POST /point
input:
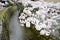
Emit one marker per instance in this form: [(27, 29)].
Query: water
[(0, 28), (16, 30)]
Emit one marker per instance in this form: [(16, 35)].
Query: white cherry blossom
[(38, 27), (42, 14), (27, 24), (42, 32), (47, 33)]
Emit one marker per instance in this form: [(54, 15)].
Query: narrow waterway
[(0, 28), (16, 30)]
